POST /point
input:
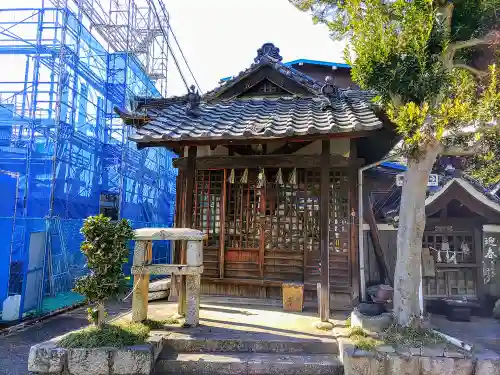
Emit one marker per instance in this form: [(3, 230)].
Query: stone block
[(161, 294), (340, 332), (89, 361), (377, 323), (378, 366), (156, 341), (46, 358), (363, 353), (433, 351), (160, 285), (385, 349), (405, 351), (487, 367), (453, 353), (193, 300), (136, 360), (397, 365), (356, 365), (202, 363), (445, 366), (346, 349), (415, 351), (172, 234), (194, 253)]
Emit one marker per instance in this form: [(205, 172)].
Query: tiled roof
[(320, 108), (303, 79), (470, 182), (167, 120)]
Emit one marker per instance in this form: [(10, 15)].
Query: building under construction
[(64, 154)]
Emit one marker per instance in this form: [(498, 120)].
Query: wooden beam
[(269, 283), (353, 227), (187, 220), (478, 249), (324, 308), (240, 140), (266, 161), (243, 150), (382, 263), (290, 147)]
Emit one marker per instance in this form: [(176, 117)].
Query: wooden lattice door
[(339, 229), (456, 267), (270, 230), (243, 240)]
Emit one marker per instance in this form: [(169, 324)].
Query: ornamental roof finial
[(193, 102), (268, 49)]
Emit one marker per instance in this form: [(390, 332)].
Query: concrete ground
[(14, 348), (229, 319), (225, 317), (483, 333)]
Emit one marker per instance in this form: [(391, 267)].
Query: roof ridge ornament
[(329, 89), (268, 49), (329, 92), (193, 100)]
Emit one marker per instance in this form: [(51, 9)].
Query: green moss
[(159, 324), (111, 335), (357, 331), (416, 337), (365, 343), (361, 339), (348, 322)]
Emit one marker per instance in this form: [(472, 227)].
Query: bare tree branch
[(476, 72), (468, 43), (492, 38), (396, 100)]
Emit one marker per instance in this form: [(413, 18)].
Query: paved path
[(14, 348), (483, 333)]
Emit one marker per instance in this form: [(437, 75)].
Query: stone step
[(249, 363), (247, 343)]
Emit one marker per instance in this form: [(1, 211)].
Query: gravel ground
[(14, 348)]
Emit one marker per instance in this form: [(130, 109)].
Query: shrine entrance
[(461, 238), (262, 228)]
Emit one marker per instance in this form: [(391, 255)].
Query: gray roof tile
[(258, 118)]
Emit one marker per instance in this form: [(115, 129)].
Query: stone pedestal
[(141, 283), (189, 301)]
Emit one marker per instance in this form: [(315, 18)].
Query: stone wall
[(49, 359), (386, 360)]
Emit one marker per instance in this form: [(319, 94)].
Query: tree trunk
[(410, 232), (101, 315)]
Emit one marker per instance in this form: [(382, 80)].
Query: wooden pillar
[(187, 221), (353, 224), (324, 298), (222, 238)]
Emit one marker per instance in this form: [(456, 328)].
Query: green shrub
[(411, 336), (111, 335), (105, 247)]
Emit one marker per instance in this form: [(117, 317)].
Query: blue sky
[(221, 37)]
